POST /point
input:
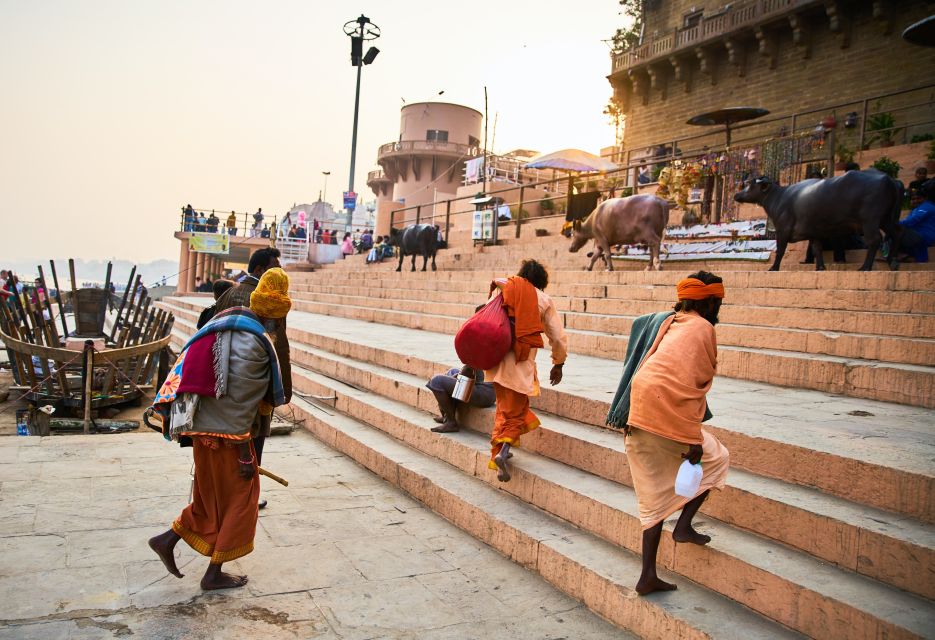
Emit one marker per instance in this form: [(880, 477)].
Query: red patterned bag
[(485, 338)]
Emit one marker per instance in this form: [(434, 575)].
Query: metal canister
[(464, 384)]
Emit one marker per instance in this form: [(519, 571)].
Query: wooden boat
[(91, 366)]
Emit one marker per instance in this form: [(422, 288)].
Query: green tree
[(628, 37)]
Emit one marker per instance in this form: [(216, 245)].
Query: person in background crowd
[(202, 222), (213, 223), (661, 403), (440, 238), (366, 241), (189, 218), (257, 223), (347, 246), (197, 283), (265, 232), (292, 231), (355, 238), (232, 224), (918, 228), (301, 233), (316, 230), (218, 289), (915, 186)]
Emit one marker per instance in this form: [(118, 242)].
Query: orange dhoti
[(513, 419), (221, 520)]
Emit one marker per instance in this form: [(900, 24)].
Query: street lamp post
[(358, 30), (326, 174)]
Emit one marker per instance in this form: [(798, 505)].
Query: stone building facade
[(810, 58)]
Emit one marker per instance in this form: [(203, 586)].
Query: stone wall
[(873, 63)]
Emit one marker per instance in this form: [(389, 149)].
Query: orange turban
[(695, 289), (271, 299)]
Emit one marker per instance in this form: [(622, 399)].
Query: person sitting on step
[(443, 385)]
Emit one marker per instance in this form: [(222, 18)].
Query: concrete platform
[(339, 554)]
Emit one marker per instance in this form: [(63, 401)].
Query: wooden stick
[(18, 305), (48, 307), (123, 302), (58, 298), (74, 282), (88, 380), (110, 266), (272, 476)]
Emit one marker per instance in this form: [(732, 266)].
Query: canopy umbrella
[(921, 33), (571, 160), (727, 117)]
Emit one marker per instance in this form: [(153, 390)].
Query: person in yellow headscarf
[(277, 286), (270, 301), (661, 403)]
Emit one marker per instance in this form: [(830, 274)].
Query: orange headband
[(695, 289)]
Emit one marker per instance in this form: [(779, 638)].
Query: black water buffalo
[(862, 202), (416, 239)]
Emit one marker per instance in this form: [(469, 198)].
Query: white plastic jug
[(688, 479)]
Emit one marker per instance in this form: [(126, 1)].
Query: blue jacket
[(922, 221)]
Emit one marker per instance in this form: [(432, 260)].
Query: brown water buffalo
[(632, 220), (863, 202)]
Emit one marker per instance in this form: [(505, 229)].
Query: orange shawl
[(667, 396), (522, 306)]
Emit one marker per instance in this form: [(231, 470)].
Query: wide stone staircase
[(825, 400)]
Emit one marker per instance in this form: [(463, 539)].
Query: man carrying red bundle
[(515, 379)]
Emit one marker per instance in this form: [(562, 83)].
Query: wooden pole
[(74, 283), (88, 380), (519, 211), (58, 298), (123, 302), (110, 266), (447, 220), (48, 307)]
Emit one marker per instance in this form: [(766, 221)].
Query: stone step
[(737, 328), (829, 528), (898, 324), (585, 567), (919, 302), (827, 280), (798, 436), (784, 585), (870, 379)]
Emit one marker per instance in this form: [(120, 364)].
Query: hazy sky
[(114, 113)]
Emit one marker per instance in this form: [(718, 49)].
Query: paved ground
[(340, 554)]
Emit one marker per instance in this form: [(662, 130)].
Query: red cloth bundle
[(485, 338)]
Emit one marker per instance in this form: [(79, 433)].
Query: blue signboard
[(350, 200)]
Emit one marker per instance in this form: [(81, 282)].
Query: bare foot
[(222, 581), (449, 426), (440, 419), (649, 585), (164, 545), (691, 536), (503, 469)]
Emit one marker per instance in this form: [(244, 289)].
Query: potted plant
[(930, 158), (844, 155), (888, 166), (884, 124)]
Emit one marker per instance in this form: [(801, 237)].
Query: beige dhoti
[(654, 463)]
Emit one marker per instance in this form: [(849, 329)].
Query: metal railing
[(425, 146), (796, 126), (734, 17), (913, 109)]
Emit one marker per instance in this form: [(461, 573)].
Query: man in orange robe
[(667, 406), (515, 379)]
